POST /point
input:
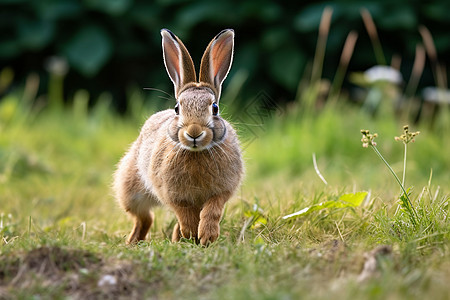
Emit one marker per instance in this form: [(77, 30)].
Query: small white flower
[(107, 280), (57, 65), (84, 271), (434, 94), (383, 73)]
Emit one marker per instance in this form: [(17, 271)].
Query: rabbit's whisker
[(170, 97)]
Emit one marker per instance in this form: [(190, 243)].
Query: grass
[(62, 234)]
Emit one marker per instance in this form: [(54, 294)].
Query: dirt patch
[(330, 251), (75, 273), (334, 256), (372, 262)]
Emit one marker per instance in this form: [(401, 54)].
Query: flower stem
[(395, 176), (404, 165)]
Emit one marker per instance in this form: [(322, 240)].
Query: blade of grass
[(319, 55), (316, 168), (373, 35), (428, 41), (347, 53), (311, 93), (416, 73)]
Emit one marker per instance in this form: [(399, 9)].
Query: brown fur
[(189, 161)]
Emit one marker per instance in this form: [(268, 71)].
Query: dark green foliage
[(89, 50), (112, 44)]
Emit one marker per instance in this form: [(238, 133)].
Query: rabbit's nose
[(194, 131)]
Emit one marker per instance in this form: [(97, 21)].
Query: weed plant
[(62, 234)]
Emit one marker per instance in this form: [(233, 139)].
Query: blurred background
[(114, 46), (307, 77)]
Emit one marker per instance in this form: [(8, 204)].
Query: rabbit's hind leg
[(133, 198), (138, 206), (143, 220)]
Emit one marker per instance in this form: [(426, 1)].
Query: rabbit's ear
[(177, 60), (216, 61)]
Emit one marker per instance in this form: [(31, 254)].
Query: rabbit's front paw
[(188, 232), (208, 232)]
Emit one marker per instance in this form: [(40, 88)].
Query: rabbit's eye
[(215, 109), (177, 109)]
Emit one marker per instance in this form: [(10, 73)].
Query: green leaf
[(112, 7), (256, 214), (10, 48), (401, 17), (285, 67), (442, 41), (12, 1), (309, 18), (145, 15), (199, 12), (89, 50), (437, 11), (353, 199), (58, 10), (274, 37), (315, 207), (35, 34), (255, 10), (346, 200)]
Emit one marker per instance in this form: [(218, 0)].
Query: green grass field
[(63, 235)]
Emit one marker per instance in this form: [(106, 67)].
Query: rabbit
[(187, 158)]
